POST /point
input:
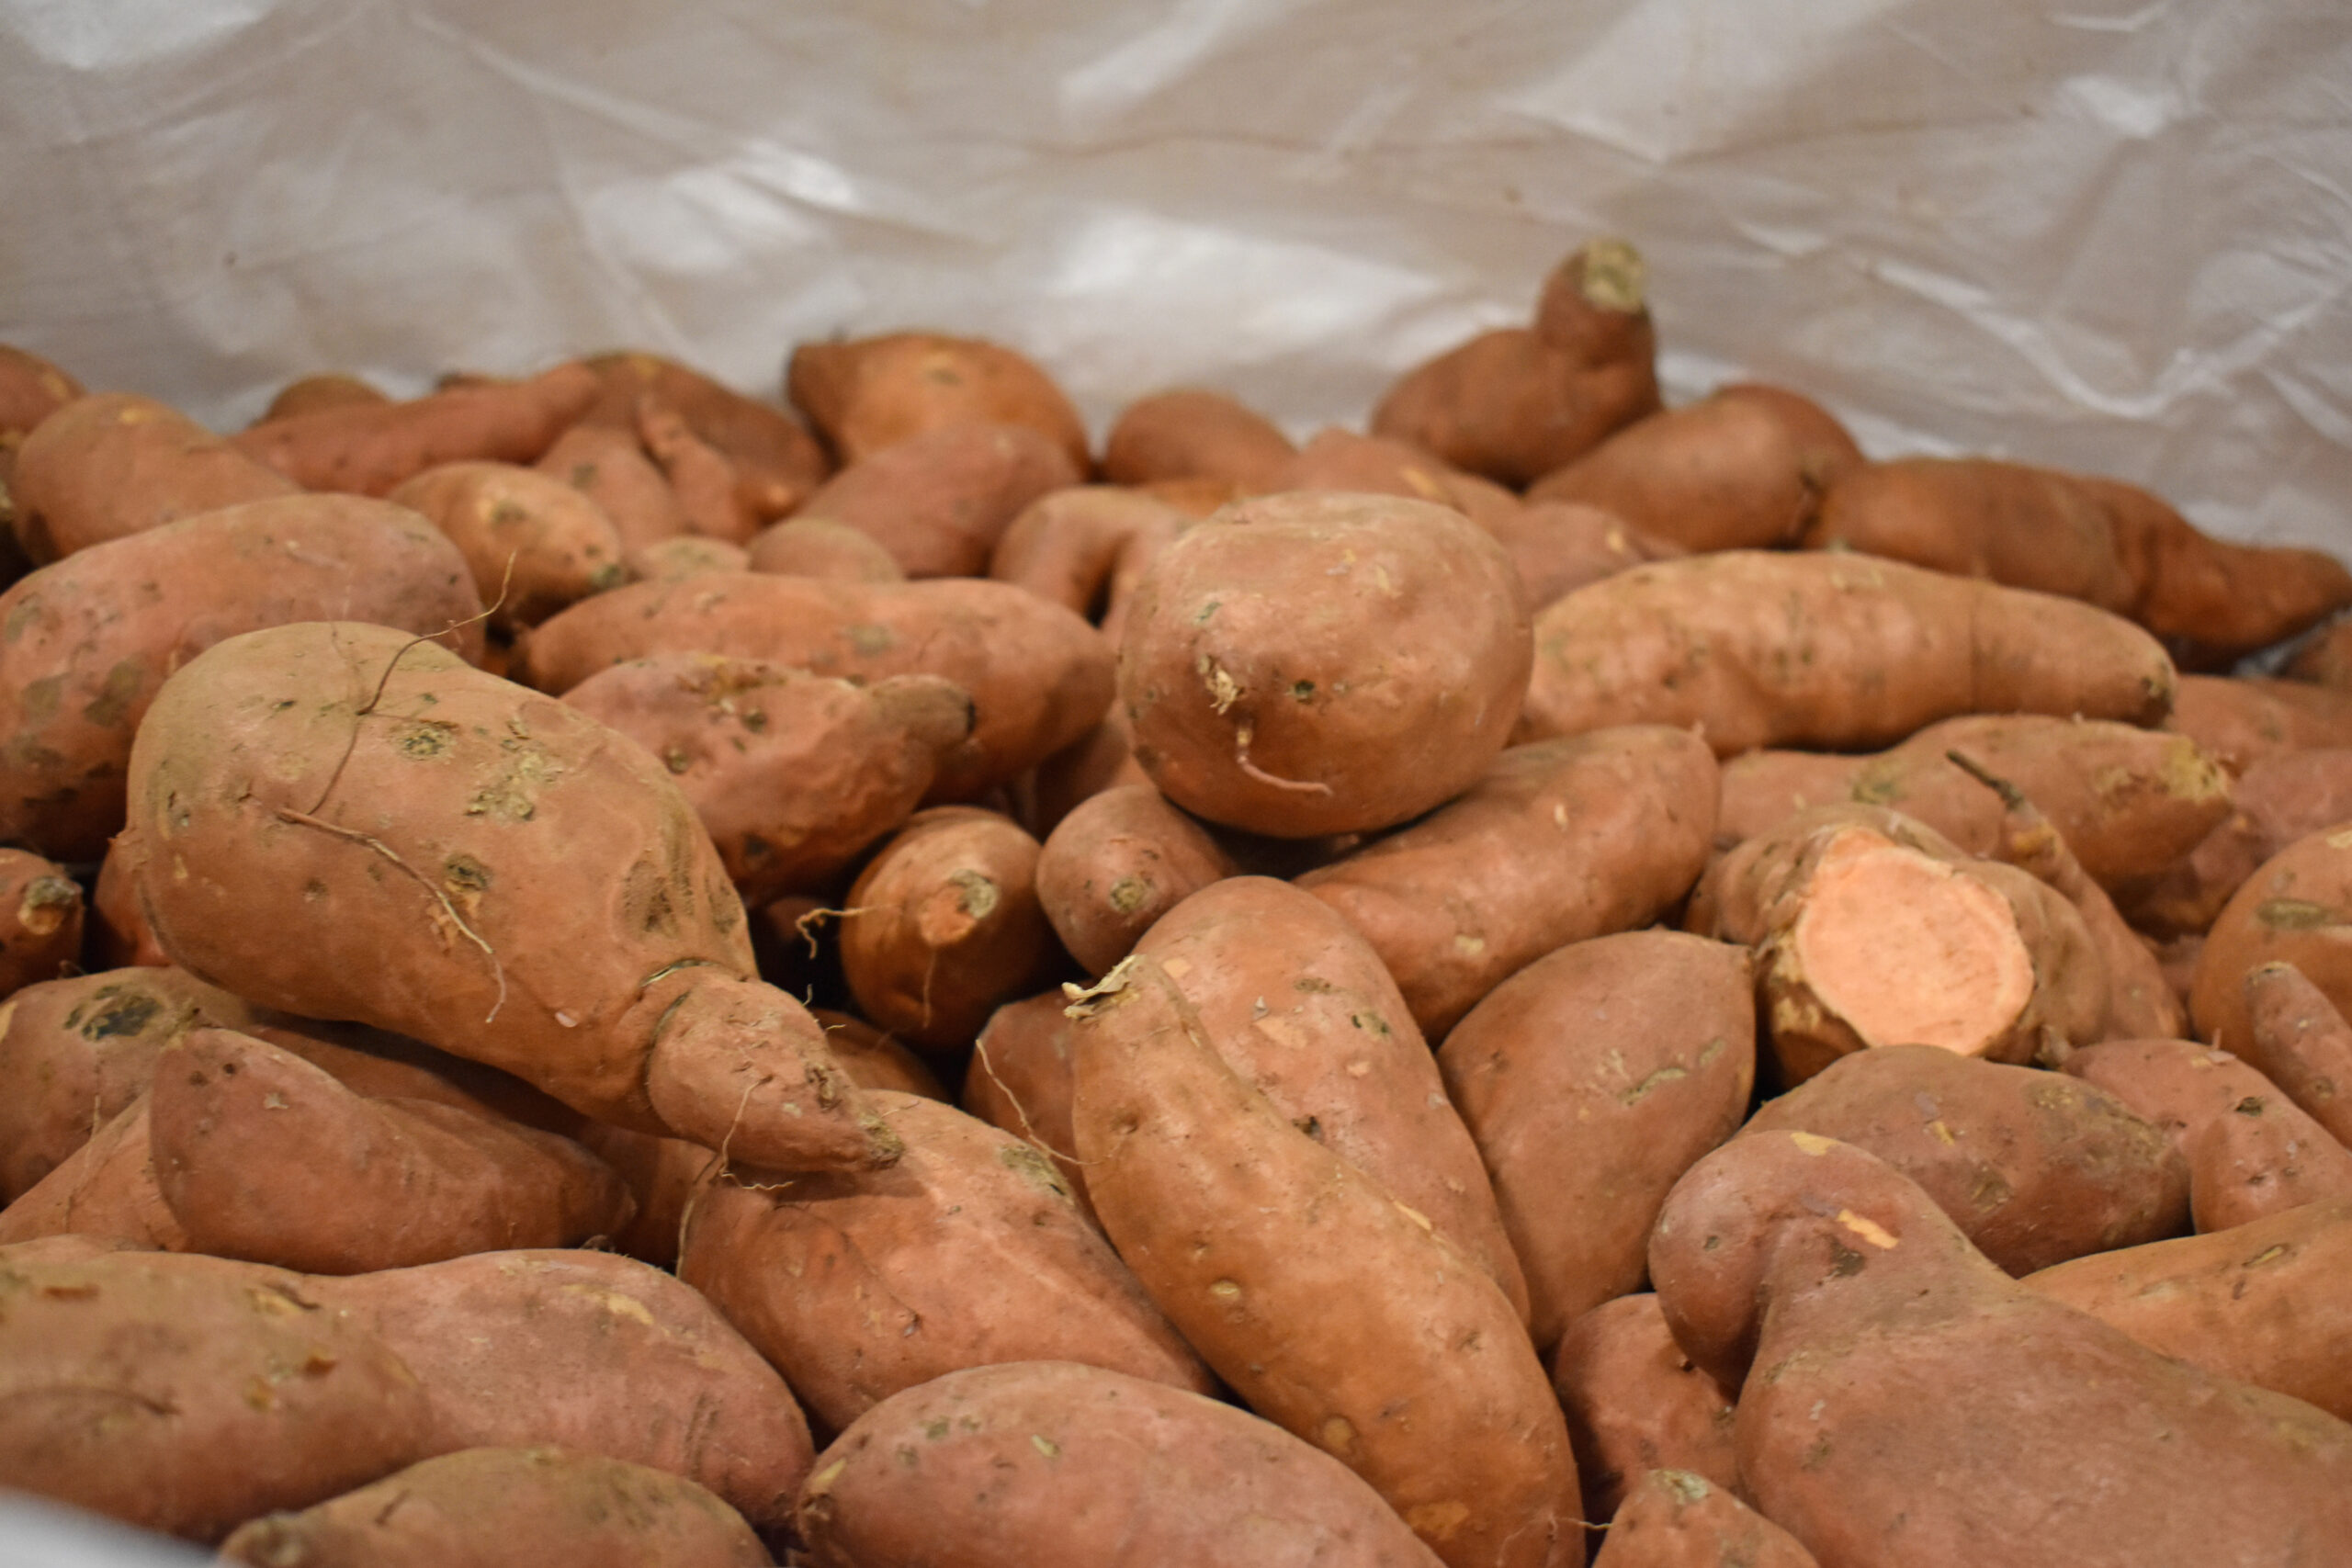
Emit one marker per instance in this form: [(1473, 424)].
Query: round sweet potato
[(870, 393), (1192, 433), (533, 543)]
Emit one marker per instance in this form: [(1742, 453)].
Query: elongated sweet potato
[(1635, 1404), (710, 494), (1511, 406), (2240, 719), (1559, 841), (1674, 1520), (481, 868), (2293, 910), (1389, 696), (368, 449), (968, 1252), (2297, 1039), (1591, 1079), (106, 1189), (605, 464), (982, 1467), (1243, 1227), (106, 466), (939, 501), (1192, 433), (792, 776), (76, 673), (1763, 649), (1039, 676), (328, 390), (1903, 1400), (1085, 548), (1019, 1081), (533, 543), (497, 1507), (777, 462), (866, 394)]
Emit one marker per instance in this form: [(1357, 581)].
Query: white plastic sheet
[(2110, 234)]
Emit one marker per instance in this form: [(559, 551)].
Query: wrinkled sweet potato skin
[(1635, 1404), (106, 466), (970, 1251), (77, 674), (1192, 433), (777, 462), (1591, 1079), (870, 393), (979, 1468), (523, 1507), (938, 502)]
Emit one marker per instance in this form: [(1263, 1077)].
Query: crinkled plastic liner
[(2113, 234)]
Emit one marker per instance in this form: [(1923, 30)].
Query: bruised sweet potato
[(1903, 1400), (519, 1507), (818, 547), (1834, 651), (985, 1468), (477, 867), (968, 1252), (533, 543), (870, 393), (106, 466), (1591, 1079), (1192, 433), (1674, 1520), (939, 501), (368, 449), (78, 673), (792, 776), (1559, 841), (1390, 695), (1243, 1227), (1635, 1404), (1039, 676)]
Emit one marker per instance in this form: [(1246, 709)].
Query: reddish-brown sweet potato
[(2238, 720), (1510, 405), (2293, 910), (1192, 433), (31, 388), (367, 449), (2298, 1038), (675, 560), (1635, 1404), (777, 462), (818, 547), (41, 921), (869, 393), (1115, 863), (330, 389), (533, 543), (1086, 548), (1042, 1464), (710, 495), (939, 501), (106, 466), (1020, 1081), (606, 465), (1674, 1520), (1557, 547), (2278, 799)]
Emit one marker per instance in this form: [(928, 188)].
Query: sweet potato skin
[(868, 394), (777, 462), (1192, 433), (1676, 1519), (2292, 910), (938, 502), (107, 466), (41, 921), (1635, 1404), (368, 449), (981, 1467), (1118, 862), (2240, 719), (1020, 1081), (1511, 406), (533, 543), (2300, 1041)]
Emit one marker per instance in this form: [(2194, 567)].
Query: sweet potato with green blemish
[(1591, 1079), (116, 464), (968, 1252), (2033, 1167), (481, 868), (1039, 676), (2278, 799), (1192, 433), (1673, 1518), (188, 1394), (368, 449), (78, 673), (938, 502), (1243, 1227), (2294, 911), (533, 543), (1558, 842), (943, 926), (1835, 652), (518, 1508), (1115, 863), (1872, 929), (777, 462), (1085, 548), (1297, 1003), (329, 389), (868, 394), (1384, 689), (605, 464), (1019, 1080), (981, 1468), (2251, 1151), (2297, 1039), (818, 547), (792, 776), (2262, 1302), (1634, 1403), (1903, 1400), (601, 1354)]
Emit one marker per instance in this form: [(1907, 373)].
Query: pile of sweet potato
[(602, 972)]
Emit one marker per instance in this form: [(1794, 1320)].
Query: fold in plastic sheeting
[(2108, 235)]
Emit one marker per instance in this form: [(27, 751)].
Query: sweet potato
[(1040, 677), (1763, 789), (1557, 547), (939, 501), (2324, 659), (1115, 863), (968, 1252), (1020, 1081), (1086, 548), (792, 776), (1635, 1404), (188, 1394), (1674, 1520), (2278, 799), (875, 1058), (330, 389), (1559, 841), (106, 466), (1337, 459), (533, 543), (1729, 472), (118, 933), (1903, 1400), (1299, 1005), (710, 496), (777, 462), (600, 1354), (31, 388), (818, 547), (605, 464), (870, 393), (2034, 1167), (677, 558), (1826, 650), (1594, 305), (78, 673), (2297, 1039), (943, 926), (2261, 1302), (1591, 1079), (41, 921), (1510, 406), (480, 868), (2251, 1150), (982, 1468), (508, 1508), (2292, 911), (2239, 720), (1384, 689), (1192, 433), (106, 1189), (1243, 1227), (367, 449)]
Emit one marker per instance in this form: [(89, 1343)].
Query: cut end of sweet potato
[(1615, 277)]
